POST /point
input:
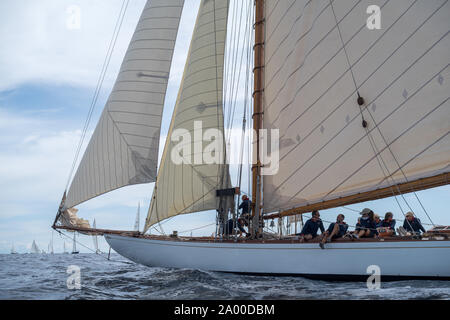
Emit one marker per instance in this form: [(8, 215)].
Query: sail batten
[(318, 60), (191, 187), (124, 147)]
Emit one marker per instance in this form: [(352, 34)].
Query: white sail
[(13, 250), (185, 188), (65, 250), (35, 248), (124, 147), (402, 72), (138, 214)]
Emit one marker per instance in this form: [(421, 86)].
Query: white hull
[(397, 259)]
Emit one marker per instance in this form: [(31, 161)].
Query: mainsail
[(185, 188), (124, 147), (319, 55)]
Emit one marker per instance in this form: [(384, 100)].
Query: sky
[(48, 75)]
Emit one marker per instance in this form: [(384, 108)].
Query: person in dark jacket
[(335, 230), (413, 224), (246, 205), (388, 224), (311, 227), (378, 221), (367, 228), (243, 220)]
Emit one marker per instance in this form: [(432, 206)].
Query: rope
[(93, 251), (186, 231), (100, 80), (370, 137)]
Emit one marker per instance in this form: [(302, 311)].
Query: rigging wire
[(100, 81), (101, 254), (371, 138)]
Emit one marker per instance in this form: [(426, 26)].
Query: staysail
[(318, 56), (124, 147), (191, 187)]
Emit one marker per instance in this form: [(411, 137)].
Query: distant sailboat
[(138, 214), (50, 247), (95, 239), (74, 249), (65, 250), (13, 251), (35, 248), (362, 115)]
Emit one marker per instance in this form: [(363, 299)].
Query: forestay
[(185, 188), (401, 71), (124, 147)]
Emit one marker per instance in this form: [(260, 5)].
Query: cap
[(365, 211)]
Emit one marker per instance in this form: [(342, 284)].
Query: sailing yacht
[(138, 218), (13, 251), (64, 248), (74, 248), (35, 248), (362, 113), (95, 239)]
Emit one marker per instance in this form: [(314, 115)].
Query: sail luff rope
[(100, 81)]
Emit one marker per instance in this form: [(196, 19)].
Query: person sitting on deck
[(367, 227), (388, 224), (413, 224), (311, 227), (378, 221), (335, 230)]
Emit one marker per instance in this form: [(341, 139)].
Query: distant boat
[(74, 249), (13, 251), (65, 250), (35, 248), (95, 239), (50, 247), (138, 214)]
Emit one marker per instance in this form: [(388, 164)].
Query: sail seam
[(394, 110)]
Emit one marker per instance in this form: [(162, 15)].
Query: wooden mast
[(411, 186), (258, 72)]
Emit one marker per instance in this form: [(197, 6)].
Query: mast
[(258, 110)]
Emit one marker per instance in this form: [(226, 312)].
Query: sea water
[(51, 276)]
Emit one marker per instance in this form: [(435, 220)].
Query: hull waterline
[(397, 260)]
